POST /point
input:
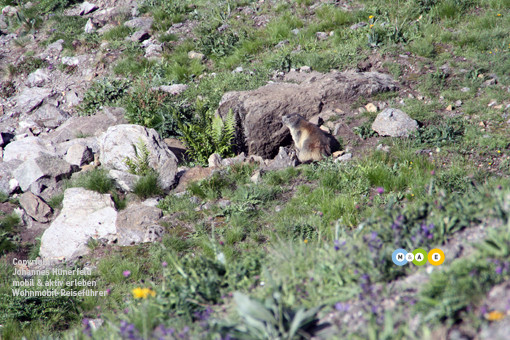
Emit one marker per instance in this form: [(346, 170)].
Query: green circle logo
[(420, 257)]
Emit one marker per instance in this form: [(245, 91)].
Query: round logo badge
[(436, 257), (420, 257), (399, 257)]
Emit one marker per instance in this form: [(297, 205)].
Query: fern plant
[(140, 164), (208, 134)]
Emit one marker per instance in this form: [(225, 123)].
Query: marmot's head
[(292, 120)]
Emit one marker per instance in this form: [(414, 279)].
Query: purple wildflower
[(499, 270), (164, 264), (126, 273), (342, 307), (87, 330), (380, 190)]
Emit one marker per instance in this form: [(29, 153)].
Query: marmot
[(311, 142)]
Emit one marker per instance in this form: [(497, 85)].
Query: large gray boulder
[(42, 172), (30, 98), (35, 207), (394, 123), (258, 112), (27, 148), (49, 116), (6, 178), (138, 224), (85, 214), (78, 127), (38, 78), (116, 144)]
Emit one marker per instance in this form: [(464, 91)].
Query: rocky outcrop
[(258, 112), (37, 174), (394, 123), (118, 142), (138, 224), (85, 214), (35, 207), (27, 148)]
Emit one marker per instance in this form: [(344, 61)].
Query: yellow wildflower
[(142, 293), (499, 151), (306, 240), (371, 26), (499, 14), (370, 17), (495, 315)]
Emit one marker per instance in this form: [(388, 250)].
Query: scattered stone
[(214, 161), (458, 103), (118, 142), (382, 147), (358, 25), (71, 98), (223, 203), (79, 155), (321, 35), (344, 158), (371, 107), (492, 103), (140, 23), (125, 181), (38, 78), (305, 69), (174, 89), (284, 159), (49, 116), (490, 82), (138, 224), (295, 31), (39, 173), (282, 43), (90, 26), (196, 55), (70, 61), (85, 214), (87, 8), (7, 185), (140, 36), (87, 126), (234, 160), (194, 174), (394, 123), (9, 11), (258, 112), (153, 51), (27, 148), (465, 89), (31, 98), (238, 69), (35, 207)]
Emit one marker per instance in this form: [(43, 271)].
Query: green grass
[(317, 234)]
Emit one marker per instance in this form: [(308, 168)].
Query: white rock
[(27, 148), (79, 155), (116, 144), (85, 214), (394, 123), (87, 8), (38, 78)]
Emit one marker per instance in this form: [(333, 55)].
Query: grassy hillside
[(312, 245)]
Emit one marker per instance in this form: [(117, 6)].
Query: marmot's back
[(311, 142)]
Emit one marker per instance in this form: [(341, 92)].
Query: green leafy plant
[(139, 165), (102, 93), (271, 319), (208, 134)]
